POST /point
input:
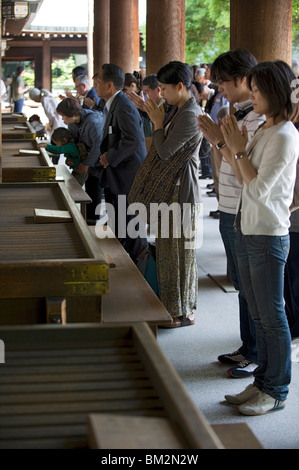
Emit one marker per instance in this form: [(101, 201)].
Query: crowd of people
[(150, 141)]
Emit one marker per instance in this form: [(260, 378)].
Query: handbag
[(146, 263), (156, 179)]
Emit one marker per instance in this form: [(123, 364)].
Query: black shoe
[(231, 358), (211, 193), (210, 186), (215, 214), (205, 177), (91, 222)]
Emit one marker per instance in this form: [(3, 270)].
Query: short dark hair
[(79, 70), (113, 73), (151, 81), (175, 72), (62, 133), (20, 69), (231, 65), (273, 79), (69, 107)]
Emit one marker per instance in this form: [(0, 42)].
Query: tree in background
[(62, 73), (208, 29), (295, 28)]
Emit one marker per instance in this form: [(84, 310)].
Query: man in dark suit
[(122, 150)]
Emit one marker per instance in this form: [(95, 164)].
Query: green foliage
[(207, 29), (295, 28), (29, 76), (62, 73), (142, 29), (295, 15)]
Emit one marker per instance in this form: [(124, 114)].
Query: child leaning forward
[(63, 141)]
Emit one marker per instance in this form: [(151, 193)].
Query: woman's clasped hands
[(155, 113), (233, 137)]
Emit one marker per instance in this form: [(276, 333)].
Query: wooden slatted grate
[(47, 391)]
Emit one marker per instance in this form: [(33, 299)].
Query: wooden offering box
[(57, 379), (13, 117), (46, 258), (28, 167), (17, 131), (14, 148)]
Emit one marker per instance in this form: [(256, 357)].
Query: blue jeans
[(205, 155), (291, 285), (261, 262), (18, 105), (247, 326)]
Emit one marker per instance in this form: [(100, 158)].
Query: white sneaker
[(250, 392), (261, 404), (243, 370)]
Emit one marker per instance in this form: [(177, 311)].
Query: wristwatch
[(240, 155), (220, 145)]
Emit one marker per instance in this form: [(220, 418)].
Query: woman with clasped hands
[(178, 139), (267, 165)]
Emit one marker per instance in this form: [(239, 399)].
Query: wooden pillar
[(90, 41), (264, 27), (38, 67), (101, 36), (1, 106), (47, 73), (165, 33), (124, 34)]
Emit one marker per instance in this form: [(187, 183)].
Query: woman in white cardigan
[(267, 167)]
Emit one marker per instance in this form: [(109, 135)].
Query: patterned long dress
[(176, 263)]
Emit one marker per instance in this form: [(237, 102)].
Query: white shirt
[(50, 104), (229, 187), (111, 99), (273, 152)]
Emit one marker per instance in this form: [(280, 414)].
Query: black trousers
[(94, 191), (133, 246)]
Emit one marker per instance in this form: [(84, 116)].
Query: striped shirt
[(229, 187)]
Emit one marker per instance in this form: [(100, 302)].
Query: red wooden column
[(165, 33), (124, 34), (101, 36), (264, 27)]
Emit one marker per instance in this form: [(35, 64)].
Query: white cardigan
[(273, 152)]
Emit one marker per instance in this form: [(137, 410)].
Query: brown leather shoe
[(187, 321), (176, 323)]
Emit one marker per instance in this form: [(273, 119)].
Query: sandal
[(187, 321)]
